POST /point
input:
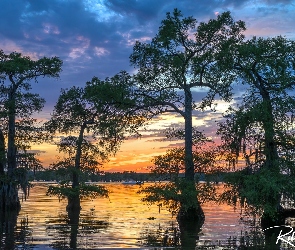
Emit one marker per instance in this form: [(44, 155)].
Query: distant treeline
[(51, 175)]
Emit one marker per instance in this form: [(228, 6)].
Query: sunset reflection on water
[(122, 221)]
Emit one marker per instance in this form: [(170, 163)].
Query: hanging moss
[(2, 153), (8, 194), (9, 187)]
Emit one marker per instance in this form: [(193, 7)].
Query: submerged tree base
[(190, 222), (74, 204), (278, 219), (9, 200)]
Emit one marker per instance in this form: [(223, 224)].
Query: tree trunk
[(189, 164), (9, 193), (78, 157), (74, 200), (9, 199), (271, 162), (270, 150), (191, 214), (73, 209), (11, 150)]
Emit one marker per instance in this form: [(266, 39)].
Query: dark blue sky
[(95, 37)]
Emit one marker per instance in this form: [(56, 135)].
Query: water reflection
[(8, 221), (184, 235), (173, 236), (73, 230), (181, 237), (123, 221), (161, 236)]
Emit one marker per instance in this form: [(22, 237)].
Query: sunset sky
[(96, 37)]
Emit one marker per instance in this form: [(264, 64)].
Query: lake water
[(122, 221)]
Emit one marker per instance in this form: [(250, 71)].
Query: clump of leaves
[(65, 190), (256, 193), (177, 194)]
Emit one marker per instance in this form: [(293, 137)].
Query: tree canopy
[(95, 120), (17, 104), (261, 128), (184, 56)]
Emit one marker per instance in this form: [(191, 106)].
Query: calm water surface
[(122, 221)]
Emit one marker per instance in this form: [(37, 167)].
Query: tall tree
[(17, 103), (262, 127), (100, 114), (182, 58), (172, 193)]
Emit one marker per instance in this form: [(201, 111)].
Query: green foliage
[(185, 55), (205, 154), (256, 193), (103, 109), (64, 190), (17, 105), (102, 113), (23, 68), (177, 192), (261, 129), (171, 195), (116, 99), (92, 156)]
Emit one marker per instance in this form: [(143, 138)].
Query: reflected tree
[(73, 215), (161, 236), (70, 230), (23, 233), (8, 221)]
